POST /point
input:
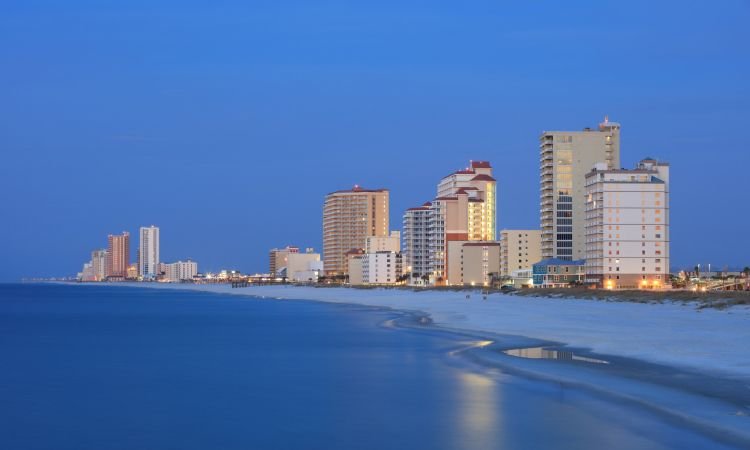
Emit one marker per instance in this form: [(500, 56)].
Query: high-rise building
[(148, 252), (349, 217), (566, 157), (519, 250), (416, 244), (627, 226), (381, 267), (99, 264), (118, 255), (278, 257), (464, 210)]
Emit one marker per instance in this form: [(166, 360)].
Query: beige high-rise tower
[(118, 255), (349, 217), (565, 159)]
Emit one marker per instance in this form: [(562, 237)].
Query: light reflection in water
[(479, 412), (543, 353)]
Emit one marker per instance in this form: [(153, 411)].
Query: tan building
[(132, 273), (627, 224), (565, 159), (355, 269), (303, 266), (519, 250), (349, 217), (277, 259), (390, 243), (472, 263), (118, 255)]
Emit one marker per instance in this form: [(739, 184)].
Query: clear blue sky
[(227, 124)]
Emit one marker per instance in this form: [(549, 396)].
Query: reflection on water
[(479, 412), (543, 353)]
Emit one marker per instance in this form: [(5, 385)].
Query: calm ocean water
[(97, 367)]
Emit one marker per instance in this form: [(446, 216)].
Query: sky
[(227, 123)]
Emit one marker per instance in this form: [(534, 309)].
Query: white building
[(148, 252), (390, 243), (565, 158), (181, 271), (302, 267), (627, 226), (99, 264), (381, 268)]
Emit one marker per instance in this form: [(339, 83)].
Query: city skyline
[(381, 107)]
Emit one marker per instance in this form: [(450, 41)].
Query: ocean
[(98, 367)]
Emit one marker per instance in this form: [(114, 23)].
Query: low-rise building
[(303, 267), (382, 267), (277, 258), (473, 263), (180, 271), (391, 243), (557, 273), (519, 250)]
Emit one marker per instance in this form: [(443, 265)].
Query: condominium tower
[(118, 255), (349, 217), (627, 226), (464, 210), (565, 158), (99, 264), (148, 252)]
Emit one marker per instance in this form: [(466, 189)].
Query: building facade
[(99, 264), (277, 259), (118, 256), (349, 217), (473, 263), (391, 243), (382, 267), (565, 158), (519, 250), (304, 266), (148, 252), (416, 244), (627, 226), (180, 271)]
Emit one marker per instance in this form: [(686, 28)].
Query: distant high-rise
[(416, 244), (118, 255), (519, 250), (148, 252), (349, 217), (566, 158), (99, 264)]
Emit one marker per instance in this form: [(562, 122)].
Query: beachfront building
[(558, 273), (118, 256), (148, 252), (277, 259), (627, 226), (565, 158), (463, 210), (349, 217), (391, 243), (354, 258), (473, 263), (180, 271), (416, 251), (303, 267), (381, 268), (519, 250), (99, 264)]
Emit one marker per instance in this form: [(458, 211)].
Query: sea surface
[(98, 367)]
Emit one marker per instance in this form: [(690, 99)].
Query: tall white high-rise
[(627, 226), (565, 159), (148, 252)]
